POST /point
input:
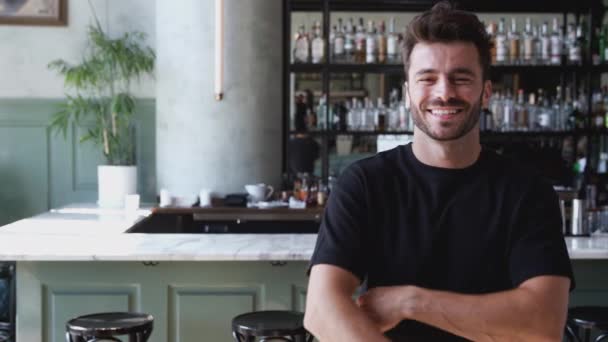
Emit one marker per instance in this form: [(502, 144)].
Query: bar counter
[(78, 260), (84, 232)]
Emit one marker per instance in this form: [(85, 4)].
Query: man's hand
[(387, 306)]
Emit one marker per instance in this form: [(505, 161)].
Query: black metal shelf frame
[(594, 9)]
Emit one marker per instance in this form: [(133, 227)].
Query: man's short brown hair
[(445, 24)]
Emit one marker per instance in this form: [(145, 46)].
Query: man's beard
[(456, 133)]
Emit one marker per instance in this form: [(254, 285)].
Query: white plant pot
[(114, 182)]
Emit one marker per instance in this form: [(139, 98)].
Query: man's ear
[(487, 93)]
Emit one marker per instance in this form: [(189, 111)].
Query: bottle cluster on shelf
[(357, 114), (535, 45), (541, 112), (349, 43)]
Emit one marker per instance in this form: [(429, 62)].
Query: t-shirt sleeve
[(537, 244), (340, 237)]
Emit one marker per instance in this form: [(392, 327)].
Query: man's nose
[(444, 89)]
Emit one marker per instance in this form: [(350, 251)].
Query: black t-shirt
[(392, 220)]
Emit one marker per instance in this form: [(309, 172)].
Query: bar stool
[(277, 325), (588, 318), (108, 325)]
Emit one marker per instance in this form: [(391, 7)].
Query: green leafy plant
[(100, 86)]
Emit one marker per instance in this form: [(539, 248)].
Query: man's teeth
[(443, 111)]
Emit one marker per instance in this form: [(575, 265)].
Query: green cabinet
[(190, 301)]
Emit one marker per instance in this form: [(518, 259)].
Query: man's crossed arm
[(534, 311)]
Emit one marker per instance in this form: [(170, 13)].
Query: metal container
[(578, 226), (562, 209)]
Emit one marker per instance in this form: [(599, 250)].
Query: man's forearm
[(505, 316), (337, 318)]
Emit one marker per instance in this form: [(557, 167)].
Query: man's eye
[(425, 80), (462, 81)]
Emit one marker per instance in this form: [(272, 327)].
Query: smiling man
[(451, 241)]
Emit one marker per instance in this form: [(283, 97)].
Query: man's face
[(446, 89)]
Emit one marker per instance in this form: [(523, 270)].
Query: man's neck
[(454, 154)]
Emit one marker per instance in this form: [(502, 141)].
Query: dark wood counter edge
[(234, 210)]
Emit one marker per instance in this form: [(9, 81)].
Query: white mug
[(259, 192), (204, 197)]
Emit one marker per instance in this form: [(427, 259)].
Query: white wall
[(25, 51)]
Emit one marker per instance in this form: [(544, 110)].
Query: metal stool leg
[(569, 334)]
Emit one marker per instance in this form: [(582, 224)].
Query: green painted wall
[(40, 170), (191, 301)]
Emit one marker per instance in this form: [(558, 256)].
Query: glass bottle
[(339, 43), (514, 43), (392, 42), (381, 43), (371, 47), (318, 45), (322, 112), (349, 41), (556, 43), (521, 111), (360, 42), (502, 49), (528, 42), (545, 43), (301, 50), (532, 113)]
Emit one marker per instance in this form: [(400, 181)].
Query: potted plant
[(98, 95)]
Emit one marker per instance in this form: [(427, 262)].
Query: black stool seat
[(278, 324), (587, 318), (110, 324)]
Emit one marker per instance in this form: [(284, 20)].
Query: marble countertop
[(84, 232)]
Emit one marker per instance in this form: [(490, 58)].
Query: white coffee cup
[(259, 192), (131, 203), (204, 197), (165, 198)]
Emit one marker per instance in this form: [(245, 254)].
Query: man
[(453, 241)]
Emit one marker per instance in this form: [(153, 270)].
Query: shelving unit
[(592, 9)]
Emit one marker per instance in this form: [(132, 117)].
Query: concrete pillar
[(224, 145)]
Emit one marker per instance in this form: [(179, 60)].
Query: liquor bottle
[(507, 113), (559, 121), (496, 107), (521, 112), (332, 41), (514, 43), (556, 43), (528, 42), (392, 42), (579, 45), (393, 111), (502, 49), (349, 41), (491, 31), (597, 109), (545, 43), (571, 123), (322, 113), (544, 112), (369, 115), (567, 108), (360, 42), (537, 46), (318, 45), (301, 51), (339, 43), (532, 113), (380, 119), (603, 44), (381, 43), (371, 48), (574, 49)]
